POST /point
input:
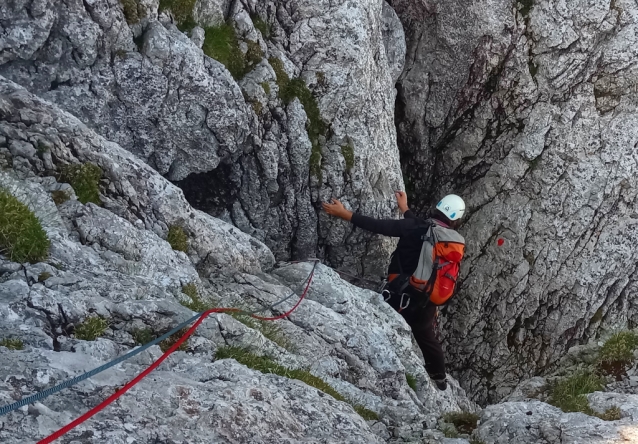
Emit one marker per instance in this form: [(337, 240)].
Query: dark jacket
[(409, 231)]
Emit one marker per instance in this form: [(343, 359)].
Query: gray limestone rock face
[(529, 111), (200, 402), (240, 148), (535, 422), (112, 261)]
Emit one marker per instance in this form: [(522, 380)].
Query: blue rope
[(55, 389), (50, 391)]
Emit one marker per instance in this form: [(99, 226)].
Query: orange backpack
[(438, 269), (439, 263)]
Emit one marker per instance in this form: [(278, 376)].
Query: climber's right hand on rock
[(336, 208), (402, 200)]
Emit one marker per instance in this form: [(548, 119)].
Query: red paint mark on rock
[(500, 242)]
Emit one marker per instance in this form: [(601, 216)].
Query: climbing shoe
[(441, 384)]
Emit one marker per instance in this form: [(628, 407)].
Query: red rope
[(156, 364)]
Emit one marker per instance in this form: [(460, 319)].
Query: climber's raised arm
[(386, 227)]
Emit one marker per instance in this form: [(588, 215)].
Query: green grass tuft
[(221, 43), (171, 340), (321, 78), (196, 303), (266, 87), (267, 365), (411, 381), (316, 127), (91, 328), (132, 12), (618, 351), (178, 238), (22, 238), (465, 422), (142, 336), (262, 25), (182, 11), (270, 329), (59, 197), (44, 276), (85, 180), (611, 414), (569, 393), (348, 155), (366, 414), (12, 344)]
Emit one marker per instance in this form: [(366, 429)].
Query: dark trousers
[(422, 320)]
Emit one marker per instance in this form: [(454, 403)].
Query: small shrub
[(91, 328), (59, 197), (12, 344), (266, 87), (182, 11), (261, 25), (44, 276), (411, 381), (142, 336), (178, 238), (221, 44), (464, 422), (449, 431), (618, 352), (316, 127), (611, 414), (171, 340), (22, 238), (568, 394), (348, 155), (85, 180)]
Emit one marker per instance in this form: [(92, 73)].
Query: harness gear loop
[(401, 306)]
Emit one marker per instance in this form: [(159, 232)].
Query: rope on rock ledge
[(199, 318)]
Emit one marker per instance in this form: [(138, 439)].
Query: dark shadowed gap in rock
[(212, 192), (416, 163)]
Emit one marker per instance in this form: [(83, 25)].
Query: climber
[(423, 268)]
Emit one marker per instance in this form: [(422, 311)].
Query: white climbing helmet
[(452, 206)]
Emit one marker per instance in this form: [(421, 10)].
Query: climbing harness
[(199, 318)]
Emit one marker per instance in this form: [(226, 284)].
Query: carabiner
[(401, 306), (382, 286), (386, 295)]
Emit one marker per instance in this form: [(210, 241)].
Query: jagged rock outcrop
[(112, 261), (529, 110), (148, 87), (534, 422)]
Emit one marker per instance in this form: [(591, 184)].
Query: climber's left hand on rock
[(336, 208)]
